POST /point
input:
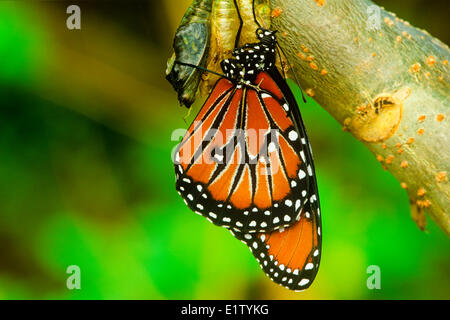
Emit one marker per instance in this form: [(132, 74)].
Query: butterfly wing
[(242, 163), (291, 256)]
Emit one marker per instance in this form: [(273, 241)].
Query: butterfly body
[(251, 58)]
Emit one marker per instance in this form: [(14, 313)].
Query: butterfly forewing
[(240, 163)]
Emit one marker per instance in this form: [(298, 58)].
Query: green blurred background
[(86, 176)]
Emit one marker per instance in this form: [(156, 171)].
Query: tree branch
[(385, 81)]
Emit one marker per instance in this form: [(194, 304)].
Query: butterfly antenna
[(200, 68), (254, 15), (238, 35), (279, 48), (281, 61)]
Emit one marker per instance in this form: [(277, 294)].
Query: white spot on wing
[(301, 174), (302, 154), (213, 215), (303, 282), (293, 136), (297, 204)]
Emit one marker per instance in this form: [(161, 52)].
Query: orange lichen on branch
[(421, 192), (431, 61), (310, 92), (421, 118), (324, 72), (404, 164), (441, 176), (423, 203), (415, 67), (313, 66), (389, 22), (301, 56), (277, 12), (389, 159), (320, 3), (404, 185), (410, 140), (439, 117), (420, 131)]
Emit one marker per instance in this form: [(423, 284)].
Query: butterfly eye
[(260, 33)]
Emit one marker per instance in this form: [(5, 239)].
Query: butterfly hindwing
[(291, 255)]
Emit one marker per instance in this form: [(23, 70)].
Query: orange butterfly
[(246, 164)]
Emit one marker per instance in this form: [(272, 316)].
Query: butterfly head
[(266, 37)]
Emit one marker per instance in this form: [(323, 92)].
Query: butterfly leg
[(238, 35)]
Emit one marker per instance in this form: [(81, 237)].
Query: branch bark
[(385, 81)]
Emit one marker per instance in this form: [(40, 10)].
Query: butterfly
[(246, 164)]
